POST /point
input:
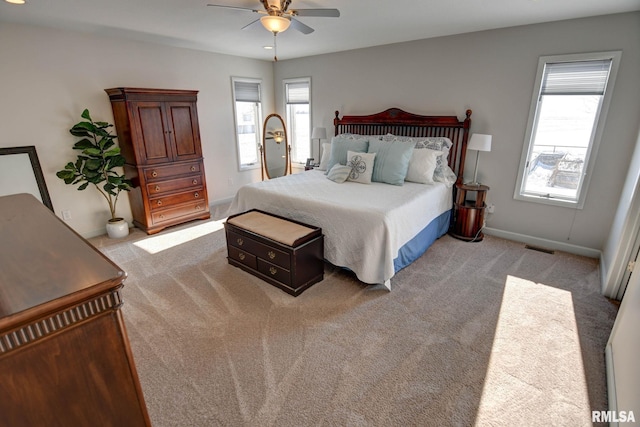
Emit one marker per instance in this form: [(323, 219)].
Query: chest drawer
[(177, 184), (170, 171), (175, 199), (273, 255), (243, 257), (274, 271), (183, 210)]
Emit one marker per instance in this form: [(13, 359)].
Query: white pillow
[(361, 165), (326, 155), (422, 165), (339, 173)]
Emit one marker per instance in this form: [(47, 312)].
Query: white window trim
[(258, 164), (284, 98), (595, 144)]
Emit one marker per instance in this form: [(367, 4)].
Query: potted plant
[(96, 165)]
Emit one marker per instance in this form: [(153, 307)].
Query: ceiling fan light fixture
[(16, 1), (275, 24)]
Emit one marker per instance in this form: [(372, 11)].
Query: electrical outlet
[(66, 215), (491, 208)]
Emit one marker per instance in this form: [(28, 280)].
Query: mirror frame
[(36, 169), (287, 147)]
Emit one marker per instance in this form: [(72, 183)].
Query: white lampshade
[(275, 24), (319, 133), (480, 142)]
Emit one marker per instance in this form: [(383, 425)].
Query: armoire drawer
[(187, 209), (178, 184), (175, 199), (169, 171)]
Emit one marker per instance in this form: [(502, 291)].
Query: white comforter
[(364, 224)]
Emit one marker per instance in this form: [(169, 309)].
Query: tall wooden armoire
[(159, 136)]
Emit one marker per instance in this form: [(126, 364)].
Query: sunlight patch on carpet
[(161, 242), (535, 358)]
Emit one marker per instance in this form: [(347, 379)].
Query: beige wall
[(50, 76), (493, 72)]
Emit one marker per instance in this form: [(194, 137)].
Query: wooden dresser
[(65, 358), (285, 253), (159, 136)]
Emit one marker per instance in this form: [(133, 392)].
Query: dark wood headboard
[(398, 122)]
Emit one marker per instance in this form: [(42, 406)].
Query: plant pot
[(117, 228)]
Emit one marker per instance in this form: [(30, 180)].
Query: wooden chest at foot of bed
[(285, 253)]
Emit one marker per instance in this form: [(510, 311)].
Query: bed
[(373, 229)]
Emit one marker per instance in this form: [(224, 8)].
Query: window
[(248, 117), (297, 93), (566, 119)]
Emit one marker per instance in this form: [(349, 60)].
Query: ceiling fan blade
[(304, 29), (328, 13), (250, 24), (246, 9)]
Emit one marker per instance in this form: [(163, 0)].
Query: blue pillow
[(340, 146), (339, 173), (392, 160)]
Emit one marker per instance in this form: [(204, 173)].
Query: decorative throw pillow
[(422, 166), (339, 173), (392, 160), (340, 146), (361, 165), (326, 155)]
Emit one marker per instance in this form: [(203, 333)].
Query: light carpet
[(488, 334)]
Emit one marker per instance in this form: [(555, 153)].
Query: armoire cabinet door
[(153, 139), (182, 121)]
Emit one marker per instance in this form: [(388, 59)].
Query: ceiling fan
[(278, 17)]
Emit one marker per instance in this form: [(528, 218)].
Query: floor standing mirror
[(275, 148), (20, 172)]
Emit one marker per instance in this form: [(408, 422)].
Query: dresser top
[(45, 265)]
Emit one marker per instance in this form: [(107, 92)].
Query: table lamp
[(478, 142), (319, 134)]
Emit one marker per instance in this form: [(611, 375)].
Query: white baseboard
[(544, 243)]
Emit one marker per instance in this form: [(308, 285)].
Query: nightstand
[(468, 215)]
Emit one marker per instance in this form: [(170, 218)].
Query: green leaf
[(85, 114), (65, 174), (93, 164), (84, 127), (92, 151), (83, 144), (83, 186), (116, 161)]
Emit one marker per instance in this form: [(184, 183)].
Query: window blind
[(247, 91), (576, 78), (297, 93)]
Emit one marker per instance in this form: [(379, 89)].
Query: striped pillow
[(339, 173)]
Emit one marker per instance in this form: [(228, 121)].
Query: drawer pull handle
[(240, 241), (198, 207), (154, 174), (161, 216), (273, 270), (271, 254), (159, 202), (196, 195), (241, 256), (194, 182), (157, 188), (193, 168)]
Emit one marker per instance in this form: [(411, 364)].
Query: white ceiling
[(363, 23)]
